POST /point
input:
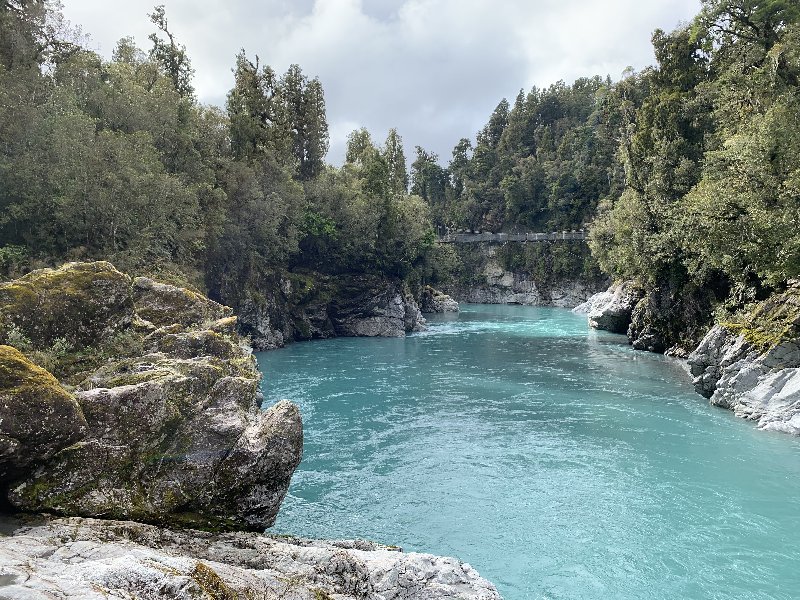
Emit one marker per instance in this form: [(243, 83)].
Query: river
[(556, 460)]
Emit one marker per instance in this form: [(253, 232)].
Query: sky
[(433, 69)]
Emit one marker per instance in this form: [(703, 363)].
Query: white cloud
[(434, 69)]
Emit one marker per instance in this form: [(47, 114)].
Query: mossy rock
[(162, 304), (82, 303), (39, 417), (772, 322)]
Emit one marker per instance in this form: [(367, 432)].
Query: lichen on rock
[(83, 303), (433, 301)]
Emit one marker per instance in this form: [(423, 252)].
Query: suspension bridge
[(501, 238)]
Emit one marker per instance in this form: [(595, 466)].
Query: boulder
[(595, 301), (86, 558), (82, 303), (433, 301), (37, 416), (172, 433), (162, 304), (614, 313)]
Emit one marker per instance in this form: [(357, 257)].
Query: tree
[(396, 163), (170, 55), (304, 110)]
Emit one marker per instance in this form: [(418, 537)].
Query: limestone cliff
[(752, 365), (492, 283), (295, 306)]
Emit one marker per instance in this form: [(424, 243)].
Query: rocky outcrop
[(484, 280), (753, 367), (82, 303), (612, 311), (162, 304), (595, 302), (173, 430), (433, 301), (37, 416), (85, 558), (307, 305)]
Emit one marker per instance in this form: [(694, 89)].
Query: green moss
[(211, 583), (773, 321), (320, 594)]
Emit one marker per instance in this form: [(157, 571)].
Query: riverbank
[(749, 364)]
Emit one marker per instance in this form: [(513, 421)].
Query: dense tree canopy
[(689, 172)]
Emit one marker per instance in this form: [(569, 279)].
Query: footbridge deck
[(500, 238)]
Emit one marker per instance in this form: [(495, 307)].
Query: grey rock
[(369, 306), (85, 558), (760, 386), (175, 434), (38, 418), (614, 313), (309, 305), (433, 301), (163, 304), (595, 301), (508, 287)]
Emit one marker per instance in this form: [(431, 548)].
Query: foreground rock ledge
[(87, 558)]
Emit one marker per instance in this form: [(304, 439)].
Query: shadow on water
[(556, 460)]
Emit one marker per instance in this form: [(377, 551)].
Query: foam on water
[(556, 460)]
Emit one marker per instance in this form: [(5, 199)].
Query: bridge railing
[(473, 238)]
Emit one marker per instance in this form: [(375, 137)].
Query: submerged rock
[(37, 416), (86, 558), (433, 301), (753, 368), (612, 311), (173, 433)]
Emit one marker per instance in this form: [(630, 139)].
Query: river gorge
[(555, 459)]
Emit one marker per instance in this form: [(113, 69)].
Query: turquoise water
[(555, 460)]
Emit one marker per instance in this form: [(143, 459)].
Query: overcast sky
[(434, 69)]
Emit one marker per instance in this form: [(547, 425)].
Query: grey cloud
[(434, 69)]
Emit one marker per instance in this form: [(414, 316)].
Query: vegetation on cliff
[(687, 171)]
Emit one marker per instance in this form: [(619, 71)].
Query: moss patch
[(772, 322), (211, 583)]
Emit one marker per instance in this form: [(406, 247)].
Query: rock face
[(612, 311), (305, 306), (84, 558), (754, 368), (499, 286), (173, 432), (37, 416), (433, 301), (595, 302)]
